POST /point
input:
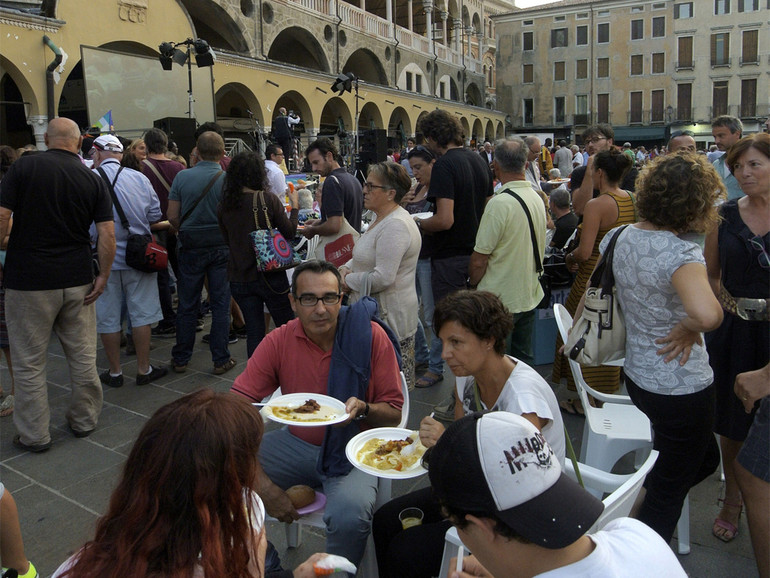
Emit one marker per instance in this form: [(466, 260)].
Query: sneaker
[(164, 330), (239, 331), (111, 380), (199, 326), (232, 338), (155, 373), (224, 368), (178, 367), (80, 433), (30, 448)]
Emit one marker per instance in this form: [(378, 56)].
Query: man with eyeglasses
[(533, 167), (276, 180), (598, 138), (326, 350)]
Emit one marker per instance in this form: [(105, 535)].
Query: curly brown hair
[(679, 191), (442, 127), (480, 312)]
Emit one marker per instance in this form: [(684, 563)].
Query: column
[(39, 124), (468, 34), (427, 5), (410, 11), (443, 16), (363, 5), (389, 10), (457, 28)]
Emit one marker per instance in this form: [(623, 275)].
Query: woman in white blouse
[(385, 257)]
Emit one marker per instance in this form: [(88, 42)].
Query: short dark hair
[(442, 127), (480, 312), (317, 267), (614, 163), (156, 141), (604, 130), (272, 149), (457, 517), (576, 177), (759, 141), (732, 123), (323, 145), (395, 176), (422, 152), (209, 126)]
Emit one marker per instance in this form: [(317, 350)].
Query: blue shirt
[(733, 188)]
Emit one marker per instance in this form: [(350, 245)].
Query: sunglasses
[(758, 243)]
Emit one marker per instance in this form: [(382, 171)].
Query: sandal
[(724, 530), (572, 406), (428, 380), (6, 408), (225, 367)]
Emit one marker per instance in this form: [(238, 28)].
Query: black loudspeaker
[(181, 131), (373, 145)]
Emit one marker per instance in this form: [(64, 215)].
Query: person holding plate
[(473, 326), (342, 352)]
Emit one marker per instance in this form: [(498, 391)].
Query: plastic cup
[(410, 517)]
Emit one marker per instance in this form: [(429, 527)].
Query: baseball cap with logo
[(108, 142), (499, 463)]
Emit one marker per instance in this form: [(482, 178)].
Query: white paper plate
[(385, 433), (422, 215), (332, 410)]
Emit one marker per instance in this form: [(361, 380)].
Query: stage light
[(204, 56)]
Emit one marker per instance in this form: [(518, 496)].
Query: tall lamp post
[(204, 56)]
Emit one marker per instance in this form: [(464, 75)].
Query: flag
[(104, 124)]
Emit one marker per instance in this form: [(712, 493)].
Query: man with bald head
[(50, 282), (681, 140), (202, 252)]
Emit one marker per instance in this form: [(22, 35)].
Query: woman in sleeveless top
[(613, 207)]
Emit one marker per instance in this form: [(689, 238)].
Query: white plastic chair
[(599, 453), (623, 489), (368, 566)]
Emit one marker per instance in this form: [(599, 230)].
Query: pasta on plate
[(398, 455)]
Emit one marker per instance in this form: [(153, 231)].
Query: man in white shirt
[(533, 169), (276, 180), (501, 486)]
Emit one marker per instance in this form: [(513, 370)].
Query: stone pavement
[(61, 493)]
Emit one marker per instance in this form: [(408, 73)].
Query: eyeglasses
[(758, 243), (368, 185), (310, 300), (595, 139)]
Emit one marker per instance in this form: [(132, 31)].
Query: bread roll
[(301, 496)]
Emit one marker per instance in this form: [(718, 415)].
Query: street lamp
[(204, 56), (342, 84)]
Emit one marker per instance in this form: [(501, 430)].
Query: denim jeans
[(271, 289), (425, 294), (519, 342), (194, 265)]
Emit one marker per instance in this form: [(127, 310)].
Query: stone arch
[(414, 69), (334, 112), (27, 92), (218, 23), (399, 116), (234, 100), (293, 100), (500, 131), (131, 47), (453, 7), (466, 16), (476, 23), (17, 104), (473, 95), (489, 132), (370, 116), (367, 66), (477, 131), (466, 128), (298, 47)]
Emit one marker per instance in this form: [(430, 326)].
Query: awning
[(639, 133)]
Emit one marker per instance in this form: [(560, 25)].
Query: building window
[(748, 98), (721, 7), (581, 69), (684, 102), (581, 35), (558, 110), (659, 6), (603, 13), (418, 83), (656, 106), (409, 81), (658, 26), (749, 53), (685, 52), (683, 10), (528, 41), (637, 29), (720, 49), (635, 109), (581, 109), (559, 71), (558, 38), (561, 18), (637, 65), (529, 108), (748, 5), (603, 67), (442, 90), (528, 74), (659, 63), (603, 33), (603, 108), (636, 9), (581, 16), (719, 99)]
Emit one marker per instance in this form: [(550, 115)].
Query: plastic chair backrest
[(405, 407)]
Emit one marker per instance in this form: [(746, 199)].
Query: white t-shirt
[(625, 548), (276, 180), (524, 392), (257, 523)]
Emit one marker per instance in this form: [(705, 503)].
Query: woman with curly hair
[(613, 207), (473, 327), (739, 272), (252, 289), (664, 292), (185, 505)]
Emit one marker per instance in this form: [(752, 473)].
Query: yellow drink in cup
[(410, 517)]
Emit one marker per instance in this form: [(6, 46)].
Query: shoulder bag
[(337, 249), (142, 252), (545, 280), (598, 336), (272, 251)]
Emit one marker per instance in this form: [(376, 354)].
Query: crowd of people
[(443, 269)]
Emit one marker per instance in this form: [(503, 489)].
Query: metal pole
[(356, 154), (190, 100)]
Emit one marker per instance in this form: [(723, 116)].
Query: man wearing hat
[(501, 486)]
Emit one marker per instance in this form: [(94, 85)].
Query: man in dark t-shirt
[(342, 195), (49, 279), (564, 220), (460, 185)]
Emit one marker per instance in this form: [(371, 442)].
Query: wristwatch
[(363, 415)]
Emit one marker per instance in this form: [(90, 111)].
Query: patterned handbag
[(272, 251)]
